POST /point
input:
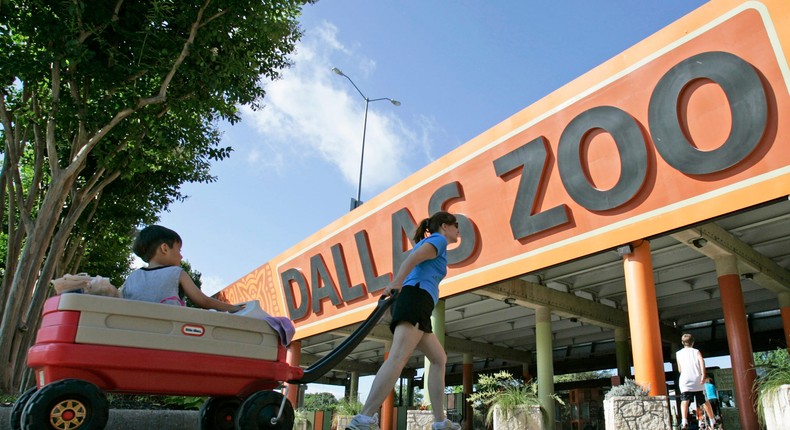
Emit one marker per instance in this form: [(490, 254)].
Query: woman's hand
[(392, 287)]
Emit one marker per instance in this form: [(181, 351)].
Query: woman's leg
[(434, 351), (404, 340), (709, 411)]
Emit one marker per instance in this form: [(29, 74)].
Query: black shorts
[(697, 396), (415, 306)]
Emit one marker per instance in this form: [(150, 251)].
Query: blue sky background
[(458, 68)]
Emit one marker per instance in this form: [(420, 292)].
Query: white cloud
[(211, 284), (311, 111)]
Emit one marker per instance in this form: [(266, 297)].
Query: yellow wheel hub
[(67, 415)]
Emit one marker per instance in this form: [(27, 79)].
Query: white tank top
[(691, 373), (158, 285)]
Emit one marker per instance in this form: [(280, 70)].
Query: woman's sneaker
[(446, 424), (364, 422)]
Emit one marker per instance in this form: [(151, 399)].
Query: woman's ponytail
[(433, 224), (422, 228)]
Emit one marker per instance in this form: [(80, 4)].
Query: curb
[(137, 419)]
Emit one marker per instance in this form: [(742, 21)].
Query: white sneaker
[(364, 422), (445, 425)]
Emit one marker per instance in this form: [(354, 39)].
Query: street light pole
[(358, 201)]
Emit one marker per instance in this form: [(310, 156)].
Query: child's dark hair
[(432, 224), (149, 238)]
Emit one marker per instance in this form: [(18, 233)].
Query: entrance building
[(645, 199)]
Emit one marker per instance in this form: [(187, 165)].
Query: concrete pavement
[(136, 419)]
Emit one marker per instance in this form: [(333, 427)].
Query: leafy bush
[(629, 388), (503, 390), (346, 407), (7, 399), (319, 402), (300, 415), (773, 371), (154, 402)]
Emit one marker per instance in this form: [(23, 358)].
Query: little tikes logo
[(193, 330)]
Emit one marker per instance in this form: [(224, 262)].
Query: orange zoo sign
[(687, 125)]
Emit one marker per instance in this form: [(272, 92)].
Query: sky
[(457, 67)]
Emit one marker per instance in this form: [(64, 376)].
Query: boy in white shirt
[(692, 380)]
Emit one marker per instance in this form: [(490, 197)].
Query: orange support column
[(738, 339), (784, 305), (640, 290), (388, 407), (468, 382), (292, 357)]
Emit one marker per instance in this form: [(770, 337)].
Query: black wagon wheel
[(217, 413), (69, 404), (260, 411), (19, 405)]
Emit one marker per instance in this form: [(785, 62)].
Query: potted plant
[(772, 387), (510, 402), (630, 406), (301, 421), (344, 411)]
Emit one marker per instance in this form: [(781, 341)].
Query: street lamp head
[(355, 202)]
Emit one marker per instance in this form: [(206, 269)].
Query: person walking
[(692, 377), (417, 281), (713, 397)]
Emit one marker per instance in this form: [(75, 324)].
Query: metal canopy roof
[(588, 299)]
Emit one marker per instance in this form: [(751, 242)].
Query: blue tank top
[(430, 272), (710, 391)]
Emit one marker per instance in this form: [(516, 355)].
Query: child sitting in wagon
[(163, 279)]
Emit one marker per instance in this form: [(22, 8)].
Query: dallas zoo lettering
[(749, 109)]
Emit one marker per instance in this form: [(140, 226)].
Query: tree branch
[(52, 150), (116, 11), (162, 95), (213, 17)]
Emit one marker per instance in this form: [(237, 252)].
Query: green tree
[(195, 275), (108, 107), (319, 402), (582, 376), (777, 358)]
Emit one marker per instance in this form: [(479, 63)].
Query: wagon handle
[(329, 361)]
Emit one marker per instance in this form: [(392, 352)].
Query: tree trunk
[(21, 292)]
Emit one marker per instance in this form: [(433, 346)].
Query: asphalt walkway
[(132, 419)]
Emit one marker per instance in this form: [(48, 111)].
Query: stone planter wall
[(522, 418), (637, 413), (419, 420), (776, 408)]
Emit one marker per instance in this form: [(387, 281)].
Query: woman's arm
[(419, 255), (200, 299)]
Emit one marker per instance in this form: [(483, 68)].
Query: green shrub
[(629, 388), (153, 402), (346, 407), (773, 371), (503, 390)]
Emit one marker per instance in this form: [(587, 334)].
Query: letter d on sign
[(289, 278)]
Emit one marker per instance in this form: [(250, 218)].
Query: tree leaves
[(107, 108)]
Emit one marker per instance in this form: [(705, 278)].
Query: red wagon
[(90, 345)]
